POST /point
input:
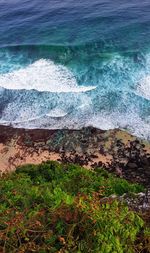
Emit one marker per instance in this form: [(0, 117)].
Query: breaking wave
[(42, 75), (52, 92)]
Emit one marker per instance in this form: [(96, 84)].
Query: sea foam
[(143, 87), (42, 75)]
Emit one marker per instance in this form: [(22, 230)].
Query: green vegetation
[(58, 208)]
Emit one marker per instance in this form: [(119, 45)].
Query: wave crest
[(42, 75)]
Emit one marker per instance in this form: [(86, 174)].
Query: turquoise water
[(69, 64)]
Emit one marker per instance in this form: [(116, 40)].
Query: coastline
[(115, 150)]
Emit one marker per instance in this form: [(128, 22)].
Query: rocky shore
[(115, 150)]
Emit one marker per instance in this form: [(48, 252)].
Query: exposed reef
[(115, 150)]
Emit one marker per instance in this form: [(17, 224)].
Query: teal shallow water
[(74, 64)]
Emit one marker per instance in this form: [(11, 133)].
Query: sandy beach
[(115, 150)]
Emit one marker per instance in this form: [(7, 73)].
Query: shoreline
[(115, 150)]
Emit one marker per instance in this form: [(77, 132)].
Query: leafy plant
[(54, 207)]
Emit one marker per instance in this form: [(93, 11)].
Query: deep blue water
[(75, 63)]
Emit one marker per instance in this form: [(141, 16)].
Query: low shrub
[(53, 207)]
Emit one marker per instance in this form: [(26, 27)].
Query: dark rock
[(132, 165)]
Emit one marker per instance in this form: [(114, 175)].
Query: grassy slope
[(57, 208)]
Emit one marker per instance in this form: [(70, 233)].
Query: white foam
[(56, 113), (42, 75), (102, 121), (143, 87), (130, 121)]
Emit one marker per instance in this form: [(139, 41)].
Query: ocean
[(72, 64)]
